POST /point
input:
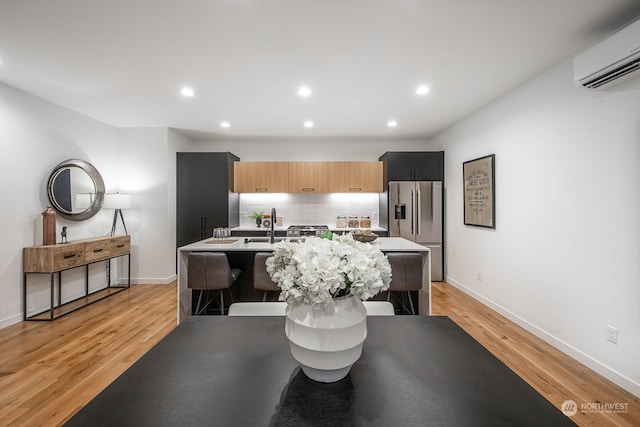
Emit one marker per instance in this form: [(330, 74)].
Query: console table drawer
[(53, 258), (119, 245), (96, 251), (69, 256), (47, 259)]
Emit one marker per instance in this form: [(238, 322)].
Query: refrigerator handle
[(413, 215), (418, 211), (395, 190), (433, 202)]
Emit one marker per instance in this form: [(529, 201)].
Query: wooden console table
[(54, 259)]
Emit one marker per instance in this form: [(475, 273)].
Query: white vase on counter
[(327, 341)]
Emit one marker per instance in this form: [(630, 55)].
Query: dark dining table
[(238, 371)]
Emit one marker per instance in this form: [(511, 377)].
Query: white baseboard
[(604, 370), (11, 320), (151, 280)]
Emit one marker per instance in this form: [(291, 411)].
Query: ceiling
[(124, 61)]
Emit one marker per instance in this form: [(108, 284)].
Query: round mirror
[(76, 190)]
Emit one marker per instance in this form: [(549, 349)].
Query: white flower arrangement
[(320, 269)]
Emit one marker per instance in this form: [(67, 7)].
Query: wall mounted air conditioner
[(614, 60)]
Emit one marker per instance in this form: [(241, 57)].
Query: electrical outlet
[(479, 276), (374, 215), (612, 334)]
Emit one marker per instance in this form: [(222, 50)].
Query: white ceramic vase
[(329, 340)]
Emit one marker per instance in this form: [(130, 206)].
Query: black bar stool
[(406, 275), (261, 279), (209, 272)]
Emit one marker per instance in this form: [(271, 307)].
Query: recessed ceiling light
[(187, 91), (225, 124), (422, 90), (304, 91), (392, 123), (308, 124)]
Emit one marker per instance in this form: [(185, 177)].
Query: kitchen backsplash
[(309, 208)]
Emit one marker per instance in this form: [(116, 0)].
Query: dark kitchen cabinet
[(204, 196), (408, 166), (413, 166)]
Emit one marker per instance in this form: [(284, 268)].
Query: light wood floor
[(552, 373), (49, 370)]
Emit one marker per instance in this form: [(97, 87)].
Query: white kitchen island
[(237, 244)]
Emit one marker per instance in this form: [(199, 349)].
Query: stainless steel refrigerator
[(415, 213)]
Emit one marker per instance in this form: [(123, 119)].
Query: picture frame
[(478, 177)]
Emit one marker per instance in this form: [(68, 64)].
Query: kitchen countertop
[(283, 228), (237, 244)]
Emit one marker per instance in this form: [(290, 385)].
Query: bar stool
[(406, 275), (210, 271), (261, 279)]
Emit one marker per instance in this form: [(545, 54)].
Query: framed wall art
[(479, 192)]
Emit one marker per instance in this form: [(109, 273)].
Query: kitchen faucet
[(273, 222)]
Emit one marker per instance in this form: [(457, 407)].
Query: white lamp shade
[(117, 201)]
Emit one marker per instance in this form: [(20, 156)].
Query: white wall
[(563, 260), (35, 136), (146, 170)]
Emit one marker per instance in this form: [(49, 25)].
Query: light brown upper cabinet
[(354, 177), (261, 177), (307, 177)]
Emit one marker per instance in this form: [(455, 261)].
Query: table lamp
[(118, 202)]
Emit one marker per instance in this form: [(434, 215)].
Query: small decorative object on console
[(49, 226)]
